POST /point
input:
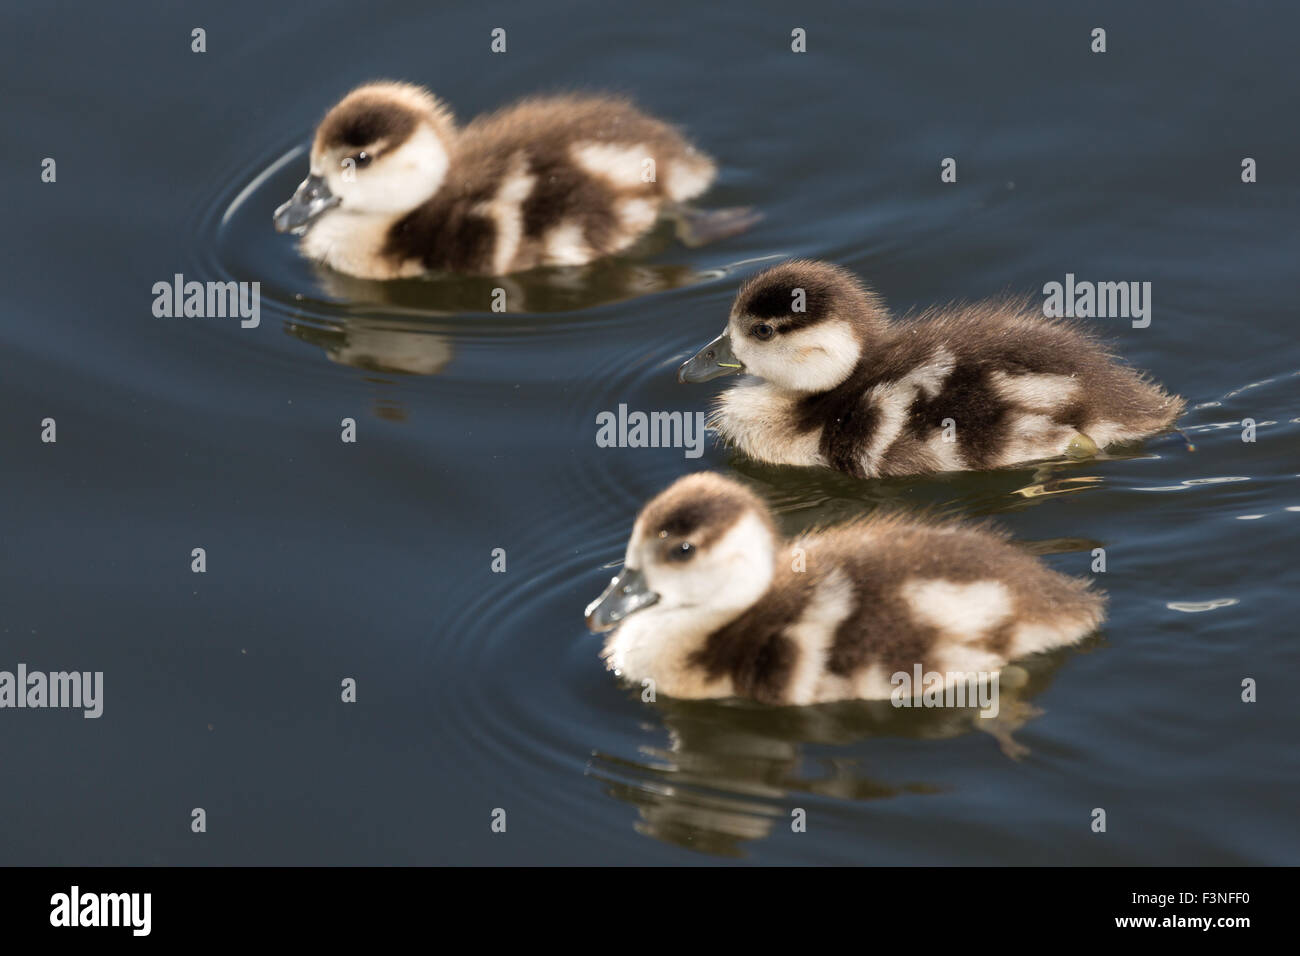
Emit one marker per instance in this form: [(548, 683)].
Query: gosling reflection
[(403, 341), (733, 771), (540, 290), (828, 496), (379, 345)]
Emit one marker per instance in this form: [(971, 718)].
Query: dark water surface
[(477, 431)]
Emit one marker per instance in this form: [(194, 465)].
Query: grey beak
[(625, 595), (310, 199), (713, 361)]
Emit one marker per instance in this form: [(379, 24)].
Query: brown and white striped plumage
[(558, 180), (873, 598), (965, 387)]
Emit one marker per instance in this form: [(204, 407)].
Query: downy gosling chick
[(397, 189), (967, 387), (711, 604)]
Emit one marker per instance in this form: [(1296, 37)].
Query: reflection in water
[(733, 770), (379, 345), (1044, 486), (402, 341), (397, 342), (801, 495), (828, 495), (559, 289), (383, 346)]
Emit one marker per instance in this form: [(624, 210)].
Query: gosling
[(841, 385)]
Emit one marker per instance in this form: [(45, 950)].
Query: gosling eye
[(683, 552), (362, 159), (763, 331)]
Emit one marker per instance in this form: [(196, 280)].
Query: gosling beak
[(311, 198), (713, 361), (625, 595)]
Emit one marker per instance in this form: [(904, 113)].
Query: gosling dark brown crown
[(366, 121), (382, 115), (824, 291), (701, 507)]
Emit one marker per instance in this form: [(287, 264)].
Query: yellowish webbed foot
[(1081, 446)]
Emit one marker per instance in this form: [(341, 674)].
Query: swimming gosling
[(711, 603), (397, 189), (843, 385)]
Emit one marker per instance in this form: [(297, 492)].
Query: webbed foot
[(1080, 447), (698, 227)]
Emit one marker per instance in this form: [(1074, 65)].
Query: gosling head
[(801, 325), (382, 151), (706, 545)]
